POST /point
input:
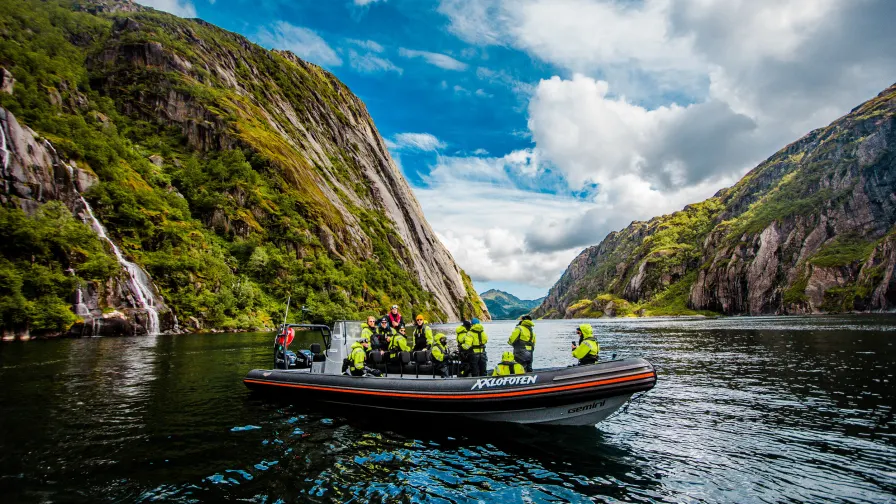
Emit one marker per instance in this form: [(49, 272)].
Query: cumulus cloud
[(182, 8), (437, 59), (424, 142), (303, 42)]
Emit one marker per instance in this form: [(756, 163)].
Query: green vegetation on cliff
[(230, 215)]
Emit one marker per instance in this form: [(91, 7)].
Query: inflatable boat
[(576, 395)]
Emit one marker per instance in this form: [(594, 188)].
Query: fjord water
[(795, 409)]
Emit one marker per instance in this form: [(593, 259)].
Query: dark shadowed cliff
[(810, 230)]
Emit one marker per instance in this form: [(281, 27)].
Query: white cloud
[(659, 104), (303, 42), (182, 8), (370, 45), (362, 3), (371, 63), (415, 141), (437, 59)]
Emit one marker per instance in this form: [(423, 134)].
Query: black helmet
[(467, 324), (526, 317), (384, 320)]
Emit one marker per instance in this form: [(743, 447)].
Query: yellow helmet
[(507, 357)]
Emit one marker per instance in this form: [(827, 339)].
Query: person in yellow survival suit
[(587, 350), (478, 339), (398, 344), (464, 347), (358, 357), (522, 339), (508, 366), (439, 354), (422, 334)]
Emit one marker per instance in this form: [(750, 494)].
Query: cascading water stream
[(141, 286), (3, 148)]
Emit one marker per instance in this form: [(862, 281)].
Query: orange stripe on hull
[(412, 395)]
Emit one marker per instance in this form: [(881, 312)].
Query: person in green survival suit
[(587, 350), (398, 344), (522, 339), (464, 347), (508, 366), (477, 339), (439, 354), (382, 336)]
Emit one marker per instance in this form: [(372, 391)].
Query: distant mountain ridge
[(503, 305), (810, 230)]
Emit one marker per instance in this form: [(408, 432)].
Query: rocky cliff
[(231, 175), (810, 230)]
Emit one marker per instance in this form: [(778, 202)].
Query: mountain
[(810, 230), (503, 305), (225, 176)]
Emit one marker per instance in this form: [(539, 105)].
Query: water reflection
[(746, 410)]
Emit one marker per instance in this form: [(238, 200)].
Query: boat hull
[(579, 395)]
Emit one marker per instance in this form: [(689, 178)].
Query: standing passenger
[(523, 341), (478, 339), (464, 347), (422, 334), (395, 318), (587, 350)]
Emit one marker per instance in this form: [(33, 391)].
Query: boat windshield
[(352, 331)]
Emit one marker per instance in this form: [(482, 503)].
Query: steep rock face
[(33, 174), (807, 231), (326, 127), (234, 175)]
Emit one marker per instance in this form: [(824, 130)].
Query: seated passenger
[(368, 330), (508, 366), (439, 355), (587, 350), (422, 334), (398, 344), (383, 334)]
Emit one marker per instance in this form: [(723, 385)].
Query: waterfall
[(80, 308), (3, 147), (141, 285)]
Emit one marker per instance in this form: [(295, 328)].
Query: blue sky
[(559, 121)]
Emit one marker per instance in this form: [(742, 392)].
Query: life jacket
[(526, 337), (478, 339), (505, 368), (593, 349), (357, 351), (439, 351), (398, 344), (396, 319), (420, 339)]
